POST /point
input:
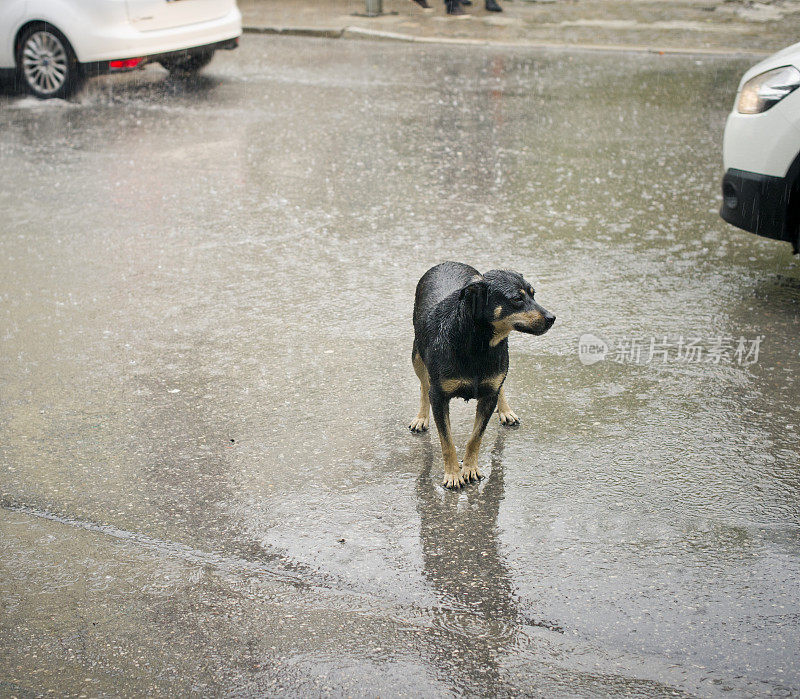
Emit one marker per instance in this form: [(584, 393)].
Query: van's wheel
[(189, 63), (46, 63)]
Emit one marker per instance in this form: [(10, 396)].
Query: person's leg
[(454, 8)]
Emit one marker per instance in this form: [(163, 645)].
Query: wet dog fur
[(462, 320)]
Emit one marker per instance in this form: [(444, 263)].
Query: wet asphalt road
[(205, 332)]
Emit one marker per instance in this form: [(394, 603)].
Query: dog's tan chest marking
[(490, 382), (453, 385)]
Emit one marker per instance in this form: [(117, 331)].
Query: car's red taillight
[(124, 63)]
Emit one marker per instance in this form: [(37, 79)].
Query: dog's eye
[(518, 300)]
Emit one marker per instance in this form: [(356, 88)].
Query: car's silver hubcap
[(44, 62)]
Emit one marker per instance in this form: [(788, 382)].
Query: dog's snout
[(549, 318)]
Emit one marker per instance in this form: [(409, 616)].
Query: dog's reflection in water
[(478, 613)]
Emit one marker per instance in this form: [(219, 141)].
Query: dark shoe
[(423, 4), (492, 6), (466, 3)]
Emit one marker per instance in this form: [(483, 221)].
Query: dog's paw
[(453, 480), (508, 418), (471, 474), (419, 424)]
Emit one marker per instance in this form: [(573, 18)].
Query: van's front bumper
[(757, 203)]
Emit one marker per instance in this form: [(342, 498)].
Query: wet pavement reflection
[(205, 332)]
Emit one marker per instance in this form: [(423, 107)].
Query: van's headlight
[(763, 91)]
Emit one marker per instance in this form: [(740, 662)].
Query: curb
[(357, 33), (320, 33)]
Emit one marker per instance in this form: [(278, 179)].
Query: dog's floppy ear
[(475, 296)]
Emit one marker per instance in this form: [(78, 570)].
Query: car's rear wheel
[(189, 63), (47, 64)]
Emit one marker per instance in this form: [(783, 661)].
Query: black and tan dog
[(462, 320)]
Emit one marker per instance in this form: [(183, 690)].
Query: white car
[(761, 150), (51, 46)]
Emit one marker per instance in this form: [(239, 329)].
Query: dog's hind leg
[(483, 414), (420, 423), (507, 415), (441, 415)]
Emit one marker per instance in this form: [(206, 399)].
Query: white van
[(51, 46)]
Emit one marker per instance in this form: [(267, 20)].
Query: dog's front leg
[(441, 416), (483, 414), (507, 416)]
